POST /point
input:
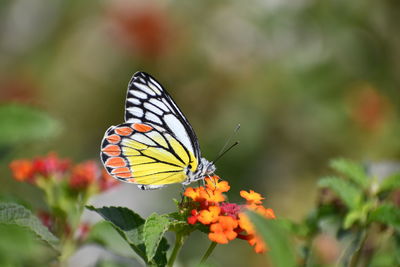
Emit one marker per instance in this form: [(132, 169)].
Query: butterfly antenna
[(223, 153), (229, 139)]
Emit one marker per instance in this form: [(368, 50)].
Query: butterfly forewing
[(148, 102)]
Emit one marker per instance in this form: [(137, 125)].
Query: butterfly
[(156, 145)]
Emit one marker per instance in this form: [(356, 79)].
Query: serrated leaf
[(160, 258), (154, 229), (11, 213), (274, 234), (128, 224), (390, 183), (346, 191), (21, 123), (351, 170), (387, 214)]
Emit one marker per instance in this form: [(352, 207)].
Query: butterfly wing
[(148, 102), (142, 154), (156, 143)]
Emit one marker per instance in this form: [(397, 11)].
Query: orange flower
[(267, 213), (83, 175), (213, 184), (258, 243), (22, 169), (223, 231), (245, 224), (210, 215), (251, 197), (212, 196), (252, 238), (194, 193)]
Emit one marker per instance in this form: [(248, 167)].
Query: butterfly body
[(156, 145)]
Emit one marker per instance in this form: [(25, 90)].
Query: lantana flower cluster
[(79, 177), (67, 188), (226, 221)]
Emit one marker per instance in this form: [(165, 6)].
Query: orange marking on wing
[(132, 180), (124, 130), (115, 162), (112, 150), (113, 138), (143, 128), (121, 170), (122, 173)]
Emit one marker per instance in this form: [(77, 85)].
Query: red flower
[(106, 181), (50, 165), (144, 28)]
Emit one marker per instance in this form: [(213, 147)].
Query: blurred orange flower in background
[(79, 177)]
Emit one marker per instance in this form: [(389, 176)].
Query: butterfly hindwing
[(145, 155)]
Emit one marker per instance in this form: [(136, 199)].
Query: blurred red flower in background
[(369, 108), (144, 30)]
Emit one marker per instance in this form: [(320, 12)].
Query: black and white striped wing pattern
[(148, 102)]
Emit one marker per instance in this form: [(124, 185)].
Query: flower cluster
[(225, 221), (79, 177)]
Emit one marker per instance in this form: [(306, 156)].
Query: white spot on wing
[(156, 84), (158, 104), (153, 118), (155, 89), (135, 111), (134, 120), (138, 94), (153, 108), (178, 131), (145, 89), (157, 137), (143, 139), (168, 105), (134, 101)]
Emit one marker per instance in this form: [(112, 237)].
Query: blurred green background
[(307, 80)]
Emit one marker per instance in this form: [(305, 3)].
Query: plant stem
[(208, 252), (178, 245), (357, 253)]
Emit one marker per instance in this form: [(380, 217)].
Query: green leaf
[(346, 191), (11, 213), (104, 234), (351, 170), (160, 258), (154, 229), (387, 214), (390, 183), (21, 123), (128, 224), (276, 236)]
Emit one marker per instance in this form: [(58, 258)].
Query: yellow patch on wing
[(178, 148), (161, 178), (162, 155), (153, 168), (137, 160), (133, 144)]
